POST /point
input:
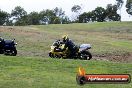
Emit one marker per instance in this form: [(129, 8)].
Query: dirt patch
[(125, 57), (19, 31)]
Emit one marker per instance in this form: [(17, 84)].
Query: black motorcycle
[(8, 47)]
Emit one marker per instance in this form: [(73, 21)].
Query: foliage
[(65, 20), (76, 9), (129, 7), (57, 20), (119, 3), (100, 14), (33, 18), (18, 13), (19, 16), (111, 11), (3, 17), (59, 12), (56, 16)]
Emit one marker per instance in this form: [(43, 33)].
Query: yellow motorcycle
[(82, 52)]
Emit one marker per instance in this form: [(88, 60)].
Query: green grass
[(32, 68), (107, 37), (29, 72)]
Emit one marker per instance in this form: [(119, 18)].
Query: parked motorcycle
[(82, 52), (8, 47)]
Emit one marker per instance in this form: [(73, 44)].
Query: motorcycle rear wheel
[(86, 55)]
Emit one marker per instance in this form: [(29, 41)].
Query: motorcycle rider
[(71, 46)]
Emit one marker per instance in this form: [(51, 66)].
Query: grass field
[(32, 68), (29, 72)]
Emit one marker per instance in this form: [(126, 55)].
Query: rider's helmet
[(65, 38)]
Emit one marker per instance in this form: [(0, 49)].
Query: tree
[(119, 5), (76, 9), (55, 16), (93, 16), (111, 13), (18, 13), (47, 16), (59, 13), (57, 20), (100, 14), (33, 18), (85, 17), (3, 17), (65, 20), (129, 7), (22, 21)]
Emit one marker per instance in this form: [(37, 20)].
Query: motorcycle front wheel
[(14, 52), (54, 55)]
